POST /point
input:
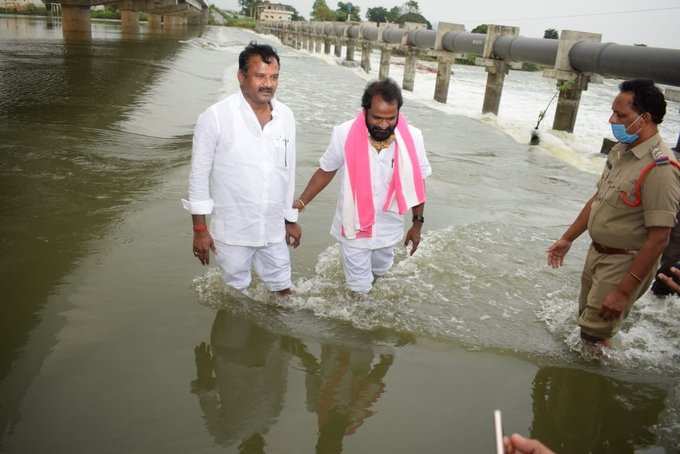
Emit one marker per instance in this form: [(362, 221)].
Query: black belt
[(612, 250)]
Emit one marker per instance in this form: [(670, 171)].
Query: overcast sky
[(653, 22)]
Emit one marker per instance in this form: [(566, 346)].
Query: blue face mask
[(620, 133)]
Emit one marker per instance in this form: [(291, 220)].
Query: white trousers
[(272, 265), (362, 266)]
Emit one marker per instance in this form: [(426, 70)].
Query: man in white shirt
[(243, 175), (382, 165)]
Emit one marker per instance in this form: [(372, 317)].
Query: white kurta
[(388, 229), (243, 174)]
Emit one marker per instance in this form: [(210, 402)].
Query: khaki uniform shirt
[(614, 224)]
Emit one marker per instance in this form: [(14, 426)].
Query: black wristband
[(289, 222), (418, 218)]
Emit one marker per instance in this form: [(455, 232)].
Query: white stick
[(499, 431)]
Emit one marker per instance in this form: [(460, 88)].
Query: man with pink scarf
[(382, 165)]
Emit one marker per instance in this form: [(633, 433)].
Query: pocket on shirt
[(616, 199), (282, 153)]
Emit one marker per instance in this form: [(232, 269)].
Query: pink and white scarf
[(406, 188)]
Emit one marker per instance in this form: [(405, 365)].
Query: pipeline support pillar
[(410, 69), (385, 57)]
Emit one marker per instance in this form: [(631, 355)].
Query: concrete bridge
[(162, 14), (572, 60)]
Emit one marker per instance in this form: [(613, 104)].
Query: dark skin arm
[(413, 234), (316, 184), (203, 242), (616, 302), (558, 250)]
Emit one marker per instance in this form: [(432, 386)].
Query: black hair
[(265, 51), (646, 98), (387, 89)]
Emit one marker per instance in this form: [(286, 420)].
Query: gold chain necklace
[(382, 144)]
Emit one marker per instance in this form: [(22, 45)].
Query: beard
[(380, 134)]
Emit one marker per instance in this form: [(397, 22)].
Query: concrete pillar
[(567, 106), (338, 47), (494, 86), (410, 69), (205, 16), (129, 21), (496, 69), (569, 81), (326, 46), (441, 89), (155, 21), (366, 49), (385, 57), (317, 45), (351, 45), (75, 22)]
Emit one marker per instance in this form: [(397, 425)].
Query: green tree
[(480, 29), (296, 16), (321, 11), (411, 7), (378, 14), (393, 14), (415, 18), (249, 7), (347, 9), (551, 33)]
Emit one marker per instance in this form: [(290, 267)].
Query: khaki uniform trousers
[(602, 274)]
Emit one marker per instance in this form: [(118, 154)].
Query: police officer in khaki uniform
[(629, 229)]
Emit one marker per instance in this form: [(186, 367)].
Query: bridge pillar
[(174, 22), (155, 21), (326, 46), (495, 79), (441, 89), (366, 49), (569, 81), (351, 45), (129, 20), (385, 56), (496, 69), (338, 47), (75, 22), (410, 69)]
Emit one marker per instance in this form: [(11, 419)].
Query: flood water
[(114, 339)]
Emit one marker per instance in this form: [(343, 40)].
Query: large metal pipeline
[(628, 62), (461, 42), (393, 35), (422, 39), (532, 50), (369, 32), (609, 59), (353, 31)]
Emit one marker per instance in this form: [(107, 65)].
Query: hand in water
[(557, 252)]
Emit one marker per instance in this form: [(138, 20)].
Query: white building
[(274, 11)]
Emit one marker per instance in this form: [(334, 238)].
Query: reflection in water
[(582, 412), (242, 380)]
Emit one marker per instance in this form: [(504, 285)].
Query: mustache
[(265, 90)]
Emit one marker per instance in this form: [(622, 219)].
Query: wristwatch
[(418, 218)]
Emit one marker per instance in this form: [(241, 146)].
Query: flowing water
[(115, 340)]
